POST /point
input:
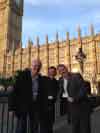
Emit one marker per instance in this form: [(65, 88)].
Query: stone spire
[(91, 29), (67, 36), (47, 54), (38, 47), (79, 35), (37, 41), (79, 31), (46, 39), (57, 37), (30, 43), (68, 56)]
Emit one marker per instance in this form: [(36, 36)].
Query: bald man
[(30, 99)]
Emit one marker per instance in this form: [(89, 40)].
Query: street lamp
[(80, 56)]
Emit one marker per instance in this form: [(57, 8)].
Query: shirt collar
[(34, 78)]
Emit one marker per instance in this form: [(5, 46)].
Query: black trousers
[(80, 119), (32, 121), (81, 125), (51, 116), (27, 122), (64, 108)]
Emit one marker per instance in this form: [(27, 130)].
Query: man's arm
[(81, 92), (13, 94), (82, 88)]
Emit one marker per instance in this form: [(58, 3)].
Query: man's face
[(52, 72), (35, 67), (62, 70)]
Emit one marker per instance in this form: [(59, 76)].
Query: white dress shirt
[(65, 93)]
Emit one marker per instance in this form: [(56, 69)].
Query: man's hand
[(70, 99), (50, 97), (10, 88), (11, 113)]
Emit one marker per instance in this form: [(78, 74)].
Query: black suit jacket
[(53, 89), (76, 89), (21, 99)]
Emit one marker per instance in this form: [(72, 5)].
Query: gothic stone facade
[(13, 57), (52, 54)]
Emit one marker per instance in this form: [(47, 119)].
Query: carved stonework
[(11, 23), (48, 54), (13, 57)]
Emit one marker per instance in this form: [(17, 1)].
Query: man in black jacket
[(30, 98), (52, 96), (73, 89)]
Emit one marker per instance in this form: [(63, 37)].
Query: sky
[(43, 17)]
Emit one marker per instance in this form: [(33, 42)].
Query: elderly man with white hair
[(30, 99)]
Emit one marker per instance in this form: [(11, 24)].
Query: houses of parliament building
[(14, 57)]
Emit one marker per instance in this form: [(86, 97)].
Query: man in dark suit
[(30, 98), (73, 89), (63, 93), (52, 96)]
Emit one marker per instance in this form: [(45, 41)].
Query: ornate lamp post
[(80, 57)]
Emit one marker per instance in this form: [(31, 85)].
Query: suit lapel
[(62, 83), (29, 77), (68, 86), (39, 84)]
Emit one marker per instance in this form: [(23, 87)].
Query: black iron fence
[(8, 120)]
